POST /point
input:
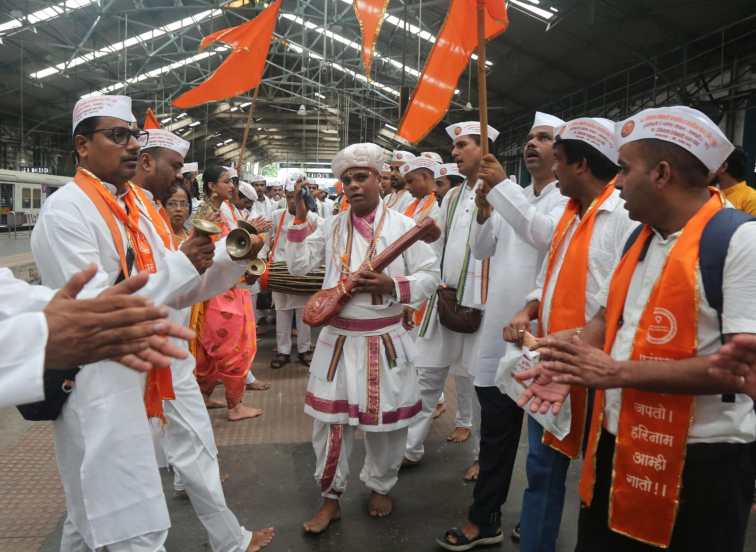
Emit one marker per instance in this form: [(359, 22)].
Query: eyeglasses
[(122, 135), (177, 205), (357, 177)]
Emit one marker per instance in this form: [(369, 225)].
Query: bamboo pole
[(482, 93), (246, 131)]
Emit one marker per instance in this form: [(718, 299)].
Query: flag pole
[(246, 130), (482, 93)]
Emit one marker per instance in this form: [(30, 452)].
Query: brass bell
[(205, 227)]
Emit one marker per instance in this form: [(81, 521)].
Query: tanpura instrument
[(326, 304)]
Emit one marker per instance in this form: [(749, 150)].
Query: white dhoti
[(189, 444), (445, 351), (72, 541), (289, 305), (333, 443)]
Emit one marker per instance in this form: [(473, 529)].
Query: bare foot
[(328, 513), (380, 506), (439, 410), (260, 539), (459, 435), (211, 404), (472, 472), (241, 412), (258, 385)]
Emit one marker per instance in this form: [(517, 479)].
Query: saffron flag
[(243, 68), (370, 15), (450, 55), (150, 121)]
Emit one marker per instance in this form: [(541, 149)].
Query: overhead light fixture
[(319, 95), (302, 111), (166, 120), (194, 124), (468, 106), (391, 127)]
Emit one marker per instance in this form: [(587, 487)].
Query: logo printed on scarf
[(664, 328)]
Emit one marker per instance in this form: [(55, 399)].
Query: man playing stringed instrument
[(362, 375), (664, 467), (586, 247)]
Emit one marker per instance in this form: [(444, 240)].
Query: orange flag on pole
[(370, 15), (244, 67), (150, 121), (450, 55)]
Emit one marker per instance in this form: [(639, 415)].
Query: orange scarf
[(653, 427), (343, 203), (568, 303), (427, 202), (159, 385)]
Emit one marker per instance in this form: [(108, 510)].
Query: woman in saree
[(225, 325)]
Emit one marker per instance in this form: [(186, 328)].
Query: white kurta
[(262, 208), (433, 212), (437, 345), (366, 390), (515, 261), (286, 301), (611, 230), (714, 421), (103, 441), (325, 208), (398, 201), (23, 360)]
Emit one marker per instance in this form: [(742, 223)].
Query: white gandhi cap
[(161, 138), (683, 126), (469, 128), (102, 106), (594, 131)]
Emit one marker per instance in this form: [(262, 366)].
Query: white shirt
[(399, 200), (286, 301), (263, 207), (611, 230), (23, 360), (103, 432), (515, 262), (532, 223), (713, 420)]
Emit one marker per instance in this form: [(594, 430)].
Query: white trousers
[(71, 541), (333, 447), (197, 470), (431, 382), (284, 319)]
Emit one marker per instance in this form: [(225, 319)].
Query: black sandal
[(305, 358), (279, 361), (462, 543)]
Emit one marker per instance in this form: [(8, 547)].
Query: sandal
[(279, 361), (305, 358), (462, 543)]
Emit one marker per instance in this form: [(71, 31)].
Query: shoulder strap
[(449, 217), (632, 239), (715, 242)]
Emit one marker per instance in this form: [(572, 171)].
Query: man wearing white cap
[(188, 441), (586, 247), (325, 203), (276, 193), (433, 156), (418, 175), (513, 229), (362, 376), (665, 468), (289, 305), (386, 179), (104, 447), (447, 177), (445, 344), (400, 197)]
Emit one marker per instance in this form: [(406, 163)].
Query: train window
[(6, 198), (36, 198), (26, 200)]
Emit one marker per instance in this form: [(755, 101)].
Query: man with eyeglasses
[(188, 441), (362, 376), (103, 440)]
